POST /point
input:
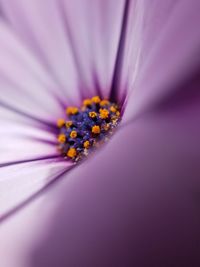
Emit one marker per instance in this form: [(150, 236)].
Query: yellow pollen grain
[(68, 124), (86, 144), (104, 113), (96, 99), (113, 109), (106, 127), (61, 138), (96, 129), (104, 102), (73, 134), (60, 123), (92, 114), (71, 153), (87, 102), (71, 110)]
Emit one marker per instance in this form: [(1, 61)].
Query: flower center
[(87, 127)]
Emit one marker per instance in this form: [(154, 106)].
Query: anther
[(104, 102), (73, 134), (61, 138), (68, 124), (60, 123), (113, 109), (96, 99), (72, 110), (87, 102), (87, 127), (96, 129), (92, 114), (104, 113), (72, 153), (86, 144)]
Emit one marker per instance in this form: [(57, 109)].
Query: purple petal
[(169, 52), (25, 85), (23, 190), (134, 203), (29, 161), (46, 38), (21, 139), (20, 181), (78, 46)]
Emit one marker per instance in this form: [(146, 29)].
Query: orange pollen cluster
[(96, 129), (71, 153), (104, 113), (73, 134), (92, 114), (72, 110), (87, 127)]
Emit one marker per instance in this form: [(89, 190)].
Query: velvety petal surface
[(27, 124), (169, 48), (133, 203), (19, 183), (76, 41), (39, 25), (136, 201), (25, 85), (38, 67), (29, 159)]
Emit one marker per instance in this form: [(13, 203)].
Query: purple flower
[(135, 202)]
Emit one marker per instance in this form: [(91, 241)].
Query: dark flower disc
[(87, 127)]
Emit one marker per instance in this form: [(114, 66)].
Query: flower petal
[(21, 139), (135, 203), (29, 161), (130, 49), (46, 37), (25, 86), (136, 200), (168, 53), (78, 46), (20, 182), (99, 33)]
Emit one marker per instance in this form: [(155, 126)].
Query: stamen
[(96, 129), (68, 124), (72, 110), (71, 152), (106, 127), (96, 99), (104, 102), (104, 113), (87, 102), (60, 123), (92, 114), (61, 138), (87, 127), (86, 144), (113, 109), (73, 134)]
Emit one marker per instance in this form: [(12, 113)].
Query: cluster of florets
[(87, 127)]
